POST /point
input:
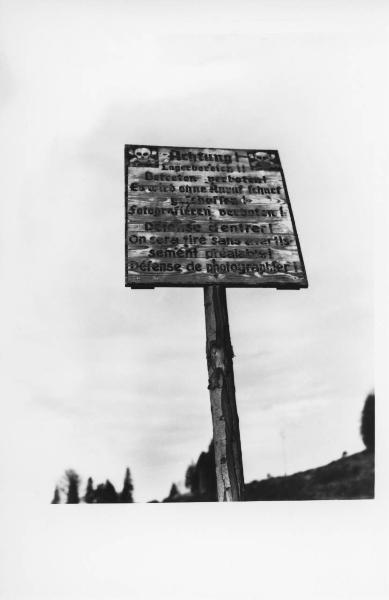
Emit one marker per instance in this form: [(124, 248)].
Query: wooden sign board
[(206, 216)]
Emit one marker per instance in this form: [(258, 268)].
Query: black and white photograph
[(192, 272)]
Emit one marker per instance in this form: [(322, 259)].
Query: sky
[(99, 377)]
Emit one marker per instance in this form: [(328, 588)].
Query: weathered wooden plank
[(263, 227), (270, 276)]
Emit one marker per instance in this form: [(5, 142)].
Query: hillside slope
[(349, 478)]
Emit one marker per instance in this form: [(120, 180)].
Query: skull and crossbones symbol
[(264, 156), (260, 158), (143, 156)]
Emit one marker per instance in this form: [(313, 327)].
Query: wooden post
[(226, 436)]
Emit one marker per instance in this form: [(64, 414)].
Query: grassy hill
[(349, 478)]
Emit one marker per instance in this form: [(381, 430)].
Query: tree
[(206, 471), (90, 493), (106, 493), (73, 482), (368, 423), (110, 494), (126, 493), (56, 499), (99, 494), (173, 491), (191, 479), (200, 478)]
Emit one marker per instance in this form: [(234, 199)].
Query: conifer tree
[(206, 472), (191, 478), (368, 423), (99, 494), (126, 493), (89, 497), (56, 499), (106, 493), (110, 494), (173, 491), (73, 482)]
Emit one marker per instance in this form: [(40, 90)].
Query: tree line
[(68, 490)]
